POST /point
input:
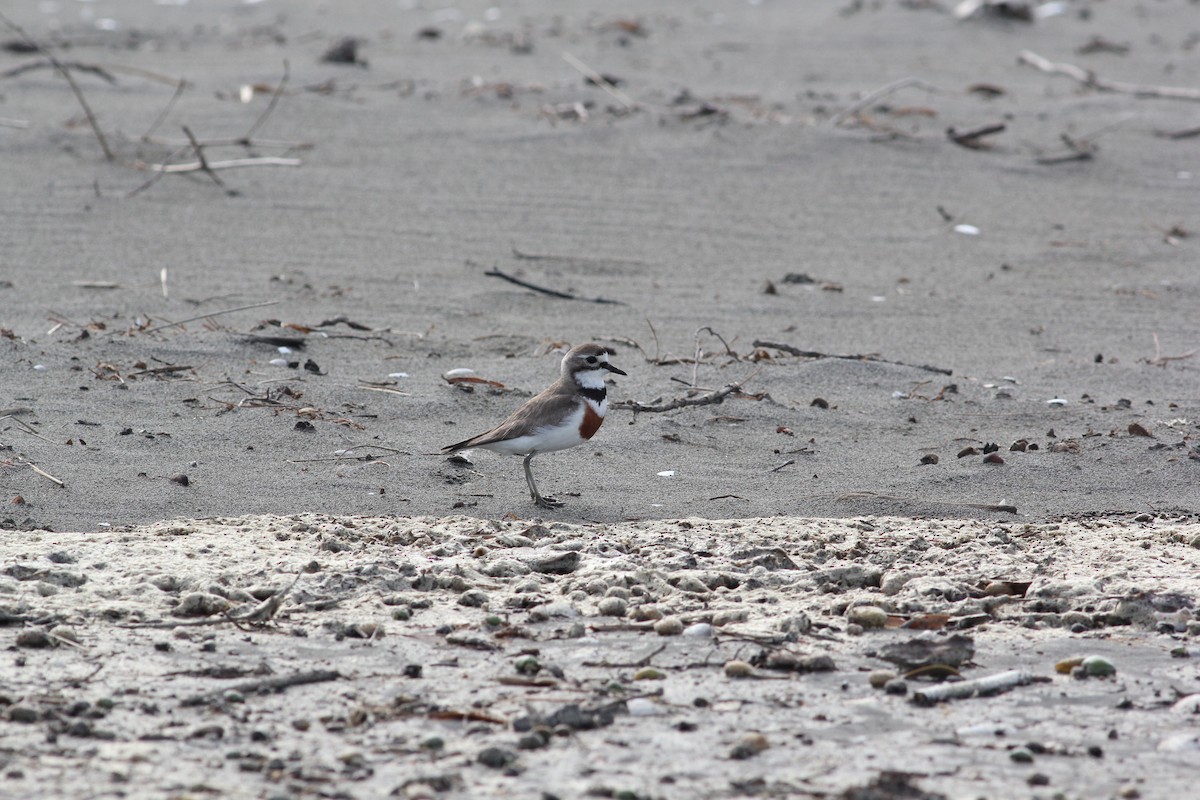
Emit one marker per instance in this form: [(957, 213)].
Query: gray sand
[(720, 169)]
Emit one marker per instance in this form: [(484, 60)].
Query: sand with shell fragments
[(457, 657)]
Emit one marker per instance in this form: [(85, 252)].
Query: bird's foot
[(547, 502)]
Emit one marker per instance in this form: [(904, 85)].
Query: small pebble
[(642, 707), (869, 617), (750, 745), (1098, 666), (34, 638), (497, 757), (612, 607), (738, 669), (649, 674), (527, 665), (701, 630), (669, 626), (1021, 755), (896, 686), (1038, 779), (879, 678)]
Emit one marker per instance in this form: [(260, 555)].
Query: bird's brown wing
[(548, 407)]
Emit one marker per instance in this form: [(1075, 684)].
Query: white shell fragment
[(666, 473), (461, 372), (1058, 401), (968, 230)]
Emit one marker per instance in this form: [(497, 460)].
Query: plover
[(565, 414)]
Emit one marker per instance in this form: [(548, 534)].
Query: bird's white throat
[(590, 378)]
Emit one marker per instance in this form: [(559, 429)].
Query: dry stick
[(179, 89), (264, 685), (496, 273), (970, 138), (204, 167), (599, 80), (989, 684), (894, 86), (1002, 507), (795, 351), (41, 471), (233, 163), (262, 118), (66, 73), (711, 398), (1094, 81), (23, 425), (98, 71), (213, 314)]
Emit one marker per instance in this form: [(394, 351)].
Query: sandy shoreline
[(1030, 301)]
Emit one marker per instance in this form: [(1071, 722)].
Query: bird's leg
[(538, 500)]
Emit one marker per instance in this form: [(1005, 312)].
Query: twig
[(264, 685), (990, 684), (1160, 360), (233, 163), (599, 80), (970, 138), (787, 463), (199, 150), (894, 86), (180, 87), (641, 662), (211, 315), (98, 71), (41, 472), (795, 351), (24, 425), (262, 118), (1000, 507), (1090, 79), (66, 73), (710, 398), (496, 273)]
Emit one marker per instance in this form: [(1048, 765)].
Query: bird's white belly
[(547, 438)]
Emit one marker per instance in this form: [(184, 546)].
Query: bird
[(565, 414)]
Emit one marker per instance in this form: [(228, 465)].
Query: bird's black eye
[(591, 359)]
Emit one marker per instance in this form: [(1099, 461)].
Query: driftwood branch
[(496, 273), (714, 397), (65, 71), (976, 687), (264, 685), (795, 351), (1093, 81), (894, 86)]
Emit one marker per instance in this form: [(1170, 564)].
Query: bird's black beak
[(611, 368)]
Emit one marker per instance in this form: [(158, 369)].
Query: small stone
[(34, 638), (896, 686), (435, 743), (412, 671), (473, 598), (669, 626), (527, 665), (738, 669), (1038, 779), (1098, 667), (929, 458), (612, 607), (879, 678), (1137, 429), (701, 630), (750, 745), (869, 617), (649, 674), (531, 741), (1021, 755), (22, 714), (64, 633), (893, 582), (723, 618), (496, 757), (646, 613), (642, 707), (301, 724), (180, 478)]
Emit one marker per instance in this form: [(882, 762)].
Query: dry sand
[(719, 168)]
